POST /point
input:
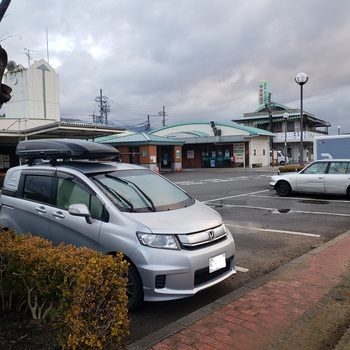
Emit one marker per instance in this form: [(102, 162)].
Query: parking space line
[(274, 231), (275, 209), (236, 196), (307, 199), (318, 213)]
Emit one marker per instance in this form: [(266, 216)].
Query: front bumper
[(170, 275)]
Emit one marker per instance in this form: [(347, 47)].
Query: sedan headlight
[(158, 241)]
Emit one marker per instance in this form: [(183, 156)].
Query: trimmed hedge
[(82, 290), (290, 168)]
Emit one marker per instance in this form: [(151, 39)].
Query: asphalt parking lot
[(269, 231)]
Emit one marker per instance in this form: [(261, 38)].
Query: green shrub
[(83, 289), (34, 262), (93, 313), (11, 289)]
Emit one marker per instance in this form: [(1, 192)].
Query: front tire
[(283, 188), (134, 288)]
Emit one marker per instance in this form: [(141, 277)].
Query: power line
[(128, 116), (230, 105)]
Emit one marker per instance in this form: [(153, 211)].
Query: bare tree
[(5, 90)]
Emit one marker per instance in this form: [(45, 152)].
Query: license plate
[(217, 262)]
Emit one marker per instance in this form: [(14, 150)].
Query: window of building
[(291, 125), (278, 127)]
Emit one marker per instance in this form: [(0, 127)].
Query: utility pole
[(163, 114), (104, 109), (148, 124)]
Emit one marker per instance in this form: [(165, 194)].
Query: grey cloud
[(201, 57)]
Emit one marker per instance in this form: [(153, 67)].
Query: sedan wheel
[(283, 188)]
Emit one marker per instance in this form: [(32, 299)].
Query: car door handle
[(58, 214), (41, 209)]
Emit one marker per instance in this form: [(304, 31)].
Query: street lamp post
[(301, 79), (285, 117)]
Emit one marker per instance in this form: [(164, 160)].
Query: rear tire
[(348, 192), (283, 188), (134, 288)]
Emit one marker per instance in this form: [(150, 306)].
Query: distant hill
[(135, 128)]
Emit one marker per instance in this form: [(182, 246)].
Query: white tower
[(35, 92)]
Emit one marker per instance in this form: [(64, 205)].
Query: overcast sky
[(201, 59)]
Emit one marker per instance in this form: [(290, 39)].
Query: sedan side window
[(338, 168), (316, 168)]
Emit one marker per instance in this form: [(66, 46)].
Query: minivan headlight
[(158, 241)]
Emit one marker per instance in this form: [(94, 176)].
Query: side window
[(12, 179), (316, 168), (70, 192), (37, 188), (338, 168)]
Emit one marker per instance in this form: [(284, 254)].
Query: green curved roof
[(278, 106), (251, 130), (138, 139)]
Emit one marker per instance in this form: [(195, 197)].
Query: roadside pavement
[(265, 313)]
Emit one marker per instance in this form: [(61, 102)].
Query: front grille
[(203, 244), (160, 281), (197, 240), (201, 276)]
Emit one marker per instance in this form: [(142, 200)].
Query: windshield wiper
[(118, 195), (153, 208)]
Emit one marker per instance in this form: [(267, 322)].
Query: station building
[(219, 145), (34, 112)]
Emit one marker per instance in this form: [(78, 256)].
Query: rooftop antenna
[(47, 46), (27, 52)]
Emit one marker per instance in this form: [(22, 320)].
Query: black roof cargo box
[(65, 148)]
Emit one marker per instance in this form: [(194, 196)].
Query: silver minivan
[(176, 246)]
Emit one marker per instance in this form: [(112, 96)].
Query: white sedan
[(328, 176)]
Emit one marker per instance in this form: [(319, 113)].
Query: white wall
[(34, 94), (259, 151)]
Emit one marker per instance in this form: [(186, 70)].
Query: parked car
[(280, 158), (330, 176), (176, 246)]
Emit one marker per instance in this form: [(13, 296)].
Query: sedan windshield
[(141, 191)]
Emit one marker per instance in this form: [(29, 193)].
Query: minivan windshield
[(141, 191)]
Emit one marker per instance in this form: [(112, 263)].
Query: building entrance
[(217, 156)]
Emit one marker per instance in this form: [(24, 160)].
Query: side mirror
[(80, 210)]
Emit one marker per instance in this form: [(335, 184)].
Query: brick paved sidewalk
[(255, 315)]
